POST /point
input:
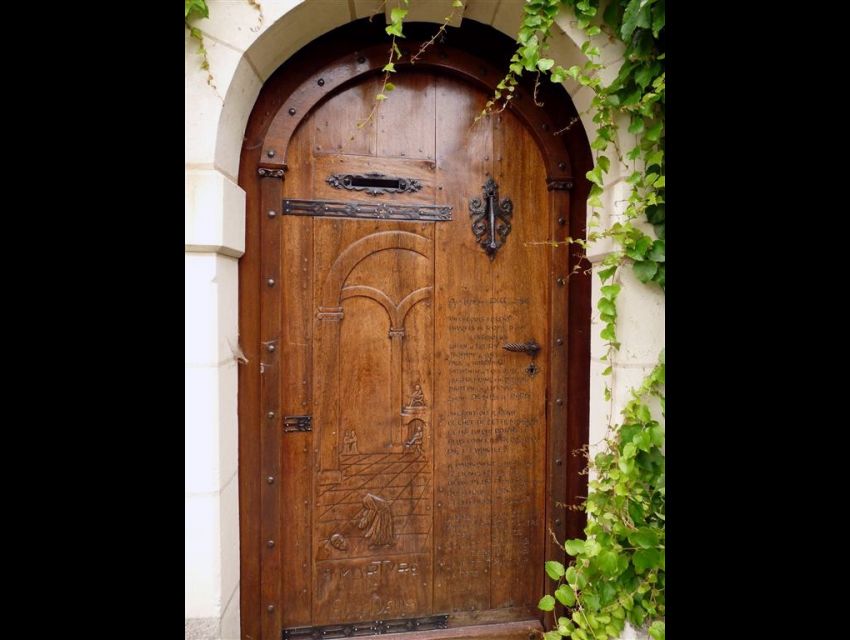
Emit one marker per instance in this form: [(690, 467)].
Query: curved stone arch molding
[(361, 249)]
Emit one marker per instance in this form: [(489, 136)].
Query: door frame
[(477, 54)]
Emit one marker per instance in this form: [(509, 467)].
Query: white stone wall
[(243, 51)]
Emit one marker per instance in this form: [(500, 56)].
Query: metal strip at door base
[(375, 628), (377, 211)]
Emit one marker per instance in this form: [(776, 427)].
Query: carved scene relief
[(373, 518)]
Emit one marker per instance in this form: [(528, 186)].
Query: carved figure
[(417, 398), (350, 441), (415, 441), (338, 541), (377, 519)]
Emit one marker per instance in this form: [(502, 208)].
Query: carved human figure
[(415, 441), (417, 398), (350, 441), (377, 520)]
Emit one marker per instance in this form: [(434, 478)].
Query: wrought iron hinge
[(297, 423)]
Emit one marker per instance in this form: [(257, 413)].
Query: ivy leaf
[(592, 548), (552, 635), (637, 14), (643, 76), (457, 4), (610, 291), (645, 559), (544, 64), (565, 595), (380, 97), (656, 630), (389, 67), (658, 16), (394, 29), (397, 14), (643, 413), (604, 163), (657, 252), (590, 599), (554, 569), (607, 307), (389, 86), (653, 133), (645, 270), (644, 537), (655, 158), (595, 176), (547, 603), (574, 546), (606, 274), (607, 562)]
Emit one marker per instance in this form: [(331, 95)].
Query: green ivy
[(195, 10)]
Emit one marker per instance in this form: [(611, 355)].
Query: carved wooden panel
[(421, 488)]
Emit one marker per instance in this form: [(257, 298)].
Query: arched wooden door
[(409, 445)]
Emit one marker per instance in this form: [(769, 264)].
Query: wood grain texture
[(296, 259), (390, 335)]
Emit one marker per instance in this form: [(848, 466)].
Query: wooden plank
[(250, 421), (462, 366), (520, 314), (335, 122), (296, 293), (269, 361), (412, 101)]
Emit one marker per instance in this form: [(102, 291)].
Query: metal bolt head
[(270, 544), (270, 153), (559, 341), (561, 282), (545, 127), (270, 282), (562, 221), (321, 82), (292, 111), (270, 608), (559, 401), (557, 522), (270, 415), (562, 165), (272, 214), (270, 480), (361, 59), (270, 348), (559, 462)]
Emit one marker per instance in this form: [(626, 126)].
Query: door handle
[(531, 347)]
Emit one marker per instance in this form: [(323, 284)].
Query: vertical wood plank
[(269, 359), (296, 385), (520, 304), (335, 121), (462, 359), (412, 101)]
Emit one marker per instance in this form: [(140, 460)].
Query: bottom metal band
[(376, 628)]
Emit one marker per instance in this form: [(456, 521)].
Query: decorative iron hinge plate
[(376, 211), (297, 423), (376, 628)]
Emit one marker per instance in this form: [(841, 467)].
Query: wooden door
[(415, 485)]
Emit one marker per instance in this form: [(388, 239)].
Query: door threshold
[(522, 630)]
